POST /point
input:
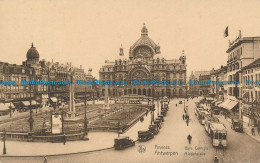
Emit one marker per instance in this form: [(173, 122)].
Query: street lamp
[(85, 118), (10, 100), (4, 150), (30, 119)]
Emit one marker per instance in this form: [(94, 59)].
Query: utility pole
[(4, 150), (85, 118), (10, 100), (30, 119)]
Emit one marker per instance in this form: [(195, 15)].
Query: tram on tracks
[(218, 134)]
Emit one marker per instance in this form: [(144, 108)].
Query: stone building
[(241, 52), (251, 93), (34, 69), (219, 91), (145, 63), (196, 90)]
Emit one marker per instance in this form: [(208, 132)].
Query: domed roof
[(32, 53), (144, 40)]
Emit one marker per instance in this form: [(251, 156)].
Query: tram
[(209, 119), (218, 134)]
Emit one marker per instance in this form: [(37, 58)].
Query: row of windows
[(172, 75), (251, 78), (234, 67), (235, 54), (168, 67)]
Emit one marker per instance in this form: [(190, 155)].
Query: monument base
[(106, 107), (71, 117), (85, 137)]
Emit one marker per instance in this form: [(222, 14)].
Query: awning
[(246, 95), (229, 104), (4, 107), (209, 98), (53, 99), (223, 104), (214, 101), (218, 103), (27, 103)]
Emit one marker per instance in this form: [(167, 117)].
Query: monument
[(71, 115), (106, 106)]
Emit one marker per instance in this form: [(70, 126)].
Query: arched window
[(180, 92)]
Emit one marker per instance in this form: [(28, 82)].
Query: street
[(160, 149)]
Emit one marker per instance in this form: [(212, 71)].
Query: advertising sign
[(56, 123)]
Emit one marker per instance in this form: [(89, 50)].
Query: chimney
[(80, 66)]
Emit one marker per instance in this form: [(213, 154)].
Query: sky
[(88, 32)]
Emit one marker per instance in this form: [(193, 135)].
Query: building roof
[(197, 74), (239, 41), (144, 40), (32, 53), (255, 63)]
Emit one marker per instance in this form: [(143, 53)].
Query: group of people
[(253, 130), (186, 116)]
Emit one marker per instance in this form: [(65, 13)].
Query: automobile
[(180, 102), (154, 129), (237, 125), (158, 123), (161, 117), (163, 113), (145, 135), (123, 142)]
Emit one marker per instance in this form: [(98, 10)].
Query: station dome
[(144, 40), (32, 53)]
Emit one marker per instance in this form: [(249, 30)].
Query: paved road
[(172, 139)]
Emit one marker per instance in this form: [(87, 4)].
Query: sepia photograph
[(112, 81)]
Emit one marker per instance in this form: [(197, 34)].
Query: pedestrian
[(187, 121), (45, 159), (64, 139), (176, 105), (258, 129), (216, 159), (189, 138), (253, 131), (183, 116)]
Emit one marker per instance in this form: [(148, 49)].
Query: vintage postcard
[(112, 81)]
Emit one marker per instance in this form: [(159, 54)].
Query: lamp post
[(10, 101), (85, 118), (4, 149), (30, 119), (118, 126)]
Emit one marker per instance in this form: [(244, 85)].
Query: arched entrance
[(129, 91), (180, 92), (149, 92), (134, 91), (144, 91), (139, 91)]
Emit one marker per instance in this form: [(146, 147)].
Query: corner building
[(145, 63)]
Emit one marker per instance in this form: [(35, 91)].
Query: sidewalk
[(247, 130), (97, 140)]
